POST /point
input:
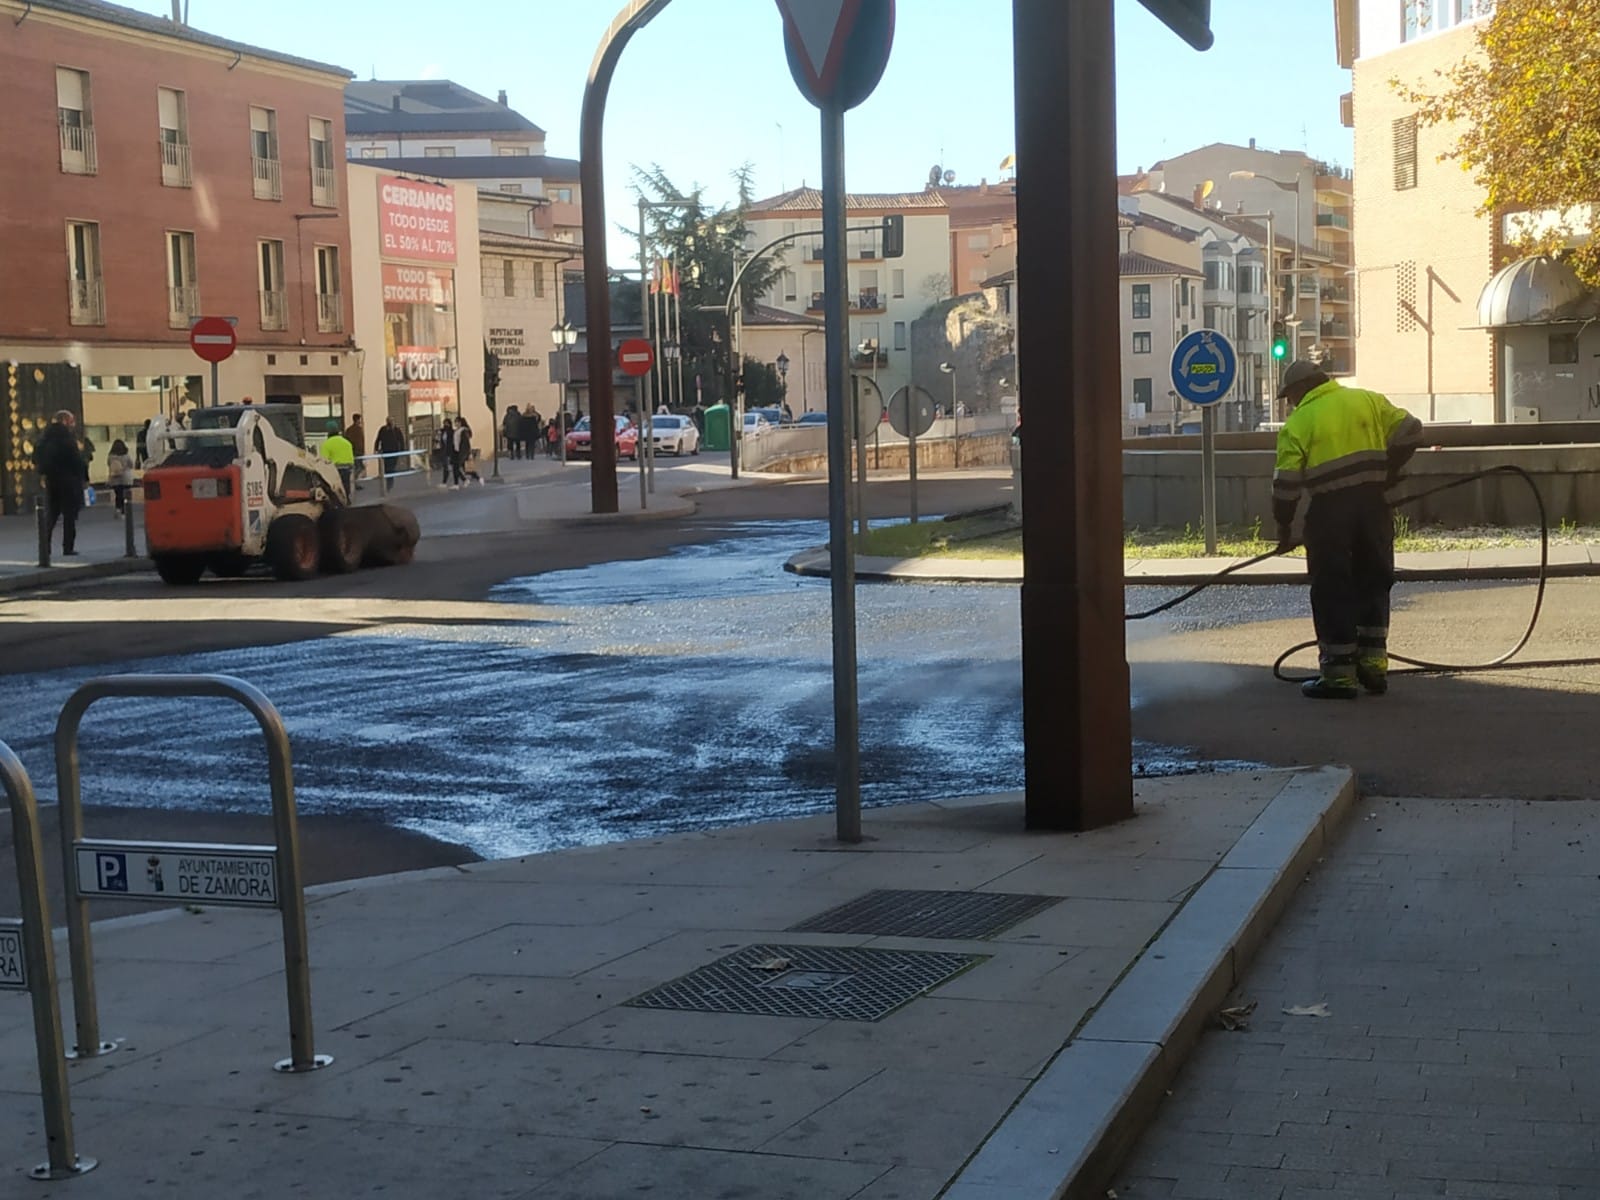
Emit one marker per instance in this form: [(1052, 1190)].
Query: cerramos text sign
[(416, 220), (244, 876)]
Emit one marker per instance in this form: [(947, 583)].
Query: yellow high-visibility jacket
[(1340, 437), (338, 450)]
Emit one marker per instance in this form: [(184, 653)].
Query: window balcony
[(175, 165), (88, 302), (814, 253), (1335, 295), (274, 311), (869, 302), (77, 149), (183, 306), (1333, 220), (1335, 329), (330, 312), (818, 301), (866, 254), (268, 178), (323, 193), (858, 359)]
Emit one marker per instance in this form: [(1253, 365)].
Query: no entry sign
[(213, 339), (635, 357)]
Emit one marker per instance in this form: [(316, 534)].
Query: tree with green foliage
[(1527, 104), (710, 245)]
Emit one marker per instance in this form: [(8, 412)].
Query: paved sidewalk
[(1455, 947), (101, 549), (488, 1038)]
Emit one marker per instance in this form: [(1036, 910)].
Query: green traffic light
[(1279, 349)]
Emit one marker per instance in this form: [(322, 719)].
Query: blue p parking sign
[(111, 872), (1204, 367)]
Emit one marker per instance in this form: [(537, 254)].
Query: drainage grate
[(953, 915), (836, 982)]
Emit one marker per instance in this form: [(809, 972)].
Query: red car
[(627, 439)]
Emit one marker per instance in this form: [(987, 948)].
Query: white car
[(677, 434), (755, 425)]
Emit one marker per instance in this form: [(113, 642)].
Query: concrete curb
[(1067, 1135), (52, 576), (814, 563)]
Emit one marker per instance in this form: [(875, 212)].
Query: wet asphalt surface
[(676, 692)]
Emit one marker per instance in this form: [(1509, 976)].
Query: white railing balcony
[(88, 301), (268, 178), (274, 311), (77, 149), (175, 168), (322, 190), (330, 312), (183, 305)]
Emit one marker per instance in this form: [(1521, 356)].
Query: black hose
[(1420, 666)]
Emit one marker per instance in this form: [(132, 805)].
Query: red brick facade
[(127, 197)]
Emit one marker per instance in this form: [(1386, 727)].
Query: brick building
[(154, 173)]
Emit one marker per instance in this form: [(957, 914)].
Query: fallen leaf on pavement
[(773, 964), (1236, 1017), (1308, 1010)]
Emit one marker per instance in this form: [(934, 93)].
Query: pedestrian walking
[(511, 433), (63, 472), (446, 447), (356, 434), (532, 433), (390, 441), (119, 473), (466, 468), (552, 439), (336, 448), (142, 444), (1343, 447)]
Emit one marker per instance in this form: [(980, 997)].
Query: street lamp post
[(783, 383), (564, 337), (1293, 318)]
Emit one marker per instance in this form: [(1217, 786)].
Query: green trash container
[(718, 426)]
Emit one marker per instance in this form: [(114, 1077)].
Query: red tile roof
[(1143, 264), (809, 199)]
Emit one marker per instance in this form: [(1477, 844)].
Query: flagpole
[(677, 325)]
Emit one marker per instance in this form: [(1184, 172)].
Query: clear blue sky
[(706, 87)]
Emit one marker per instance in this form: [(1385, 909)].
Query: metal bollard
[(35, 970), (41, 518), (129, 550)]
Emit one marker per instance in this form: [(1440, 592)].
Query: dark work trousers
[(63, 502), (1350, 557)]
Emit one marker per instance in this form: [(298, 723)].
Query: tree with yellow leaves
[(1528, 107)]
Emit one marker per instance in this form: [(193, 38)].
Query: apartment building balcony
[(1337, 253), (814, 253), (323, 193), (866, 254), (268, 178), (183, 306), (1335, 329), (330, 312), (1332, 294), (176, 170), (869, 302), (858, 359), (274, 311), (1334, 220), (818, 301), (78, 150), (87, 301)]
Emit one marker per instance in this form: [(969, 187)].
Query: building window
[(268, 170), (1405, 152), (1184, 300), (510, 152), (374, 152), (75, 122), (538, 280), (508, 277), (183, 280), (897, 283), (330, 302), (1141, 395), (1141, 343), (513, 189), (324, 191), (899, 335), (1563, 349), (561, 195), (86, 299), (274, 300), (1141, 301), (438, 152), (869, 297), (172, 107), (791, 286), (978, 241)]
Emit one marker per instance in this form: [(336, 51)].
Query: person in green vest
[(338, 450)]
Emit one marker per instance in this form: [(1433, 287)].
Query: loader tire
[(180, 570), (229, 566), (293, 548), (342, 542)]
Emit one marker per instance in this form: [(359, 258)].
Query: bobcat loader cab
[(239, 487)]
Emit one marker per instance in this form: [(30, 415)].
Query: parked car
[(812, 418), (755, 424), (627, 439), (773, 415), (677, 434)]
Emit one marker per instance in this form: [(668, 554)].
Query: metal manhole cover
[(925, 914), (835, 982)]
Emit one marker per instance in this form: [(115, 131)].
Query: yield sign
[(820, 30)]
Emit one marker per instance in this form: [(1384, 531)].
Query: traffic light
[(1280, 341), (894, 236), (491, 376)]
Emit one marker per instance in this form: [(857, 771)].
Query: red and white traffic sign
[(838, 48), (213, 339), (635, 357)]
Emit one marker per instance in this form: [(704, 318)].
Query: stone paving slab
[(484, 1045)]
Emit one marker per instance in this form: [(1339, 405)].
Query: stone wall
[(980, 450)]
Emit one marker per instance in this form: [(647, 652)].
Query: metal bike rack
[(28, 962), (237, 876)]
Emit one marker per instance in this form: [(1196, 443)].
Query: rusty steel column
[(1077, 725), (635, 15)]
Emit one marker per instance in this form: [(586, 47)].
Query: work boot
[(1337, 680), (1373, 674)]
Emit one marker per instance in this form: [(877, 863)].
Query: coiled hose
[(1419, 666)]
